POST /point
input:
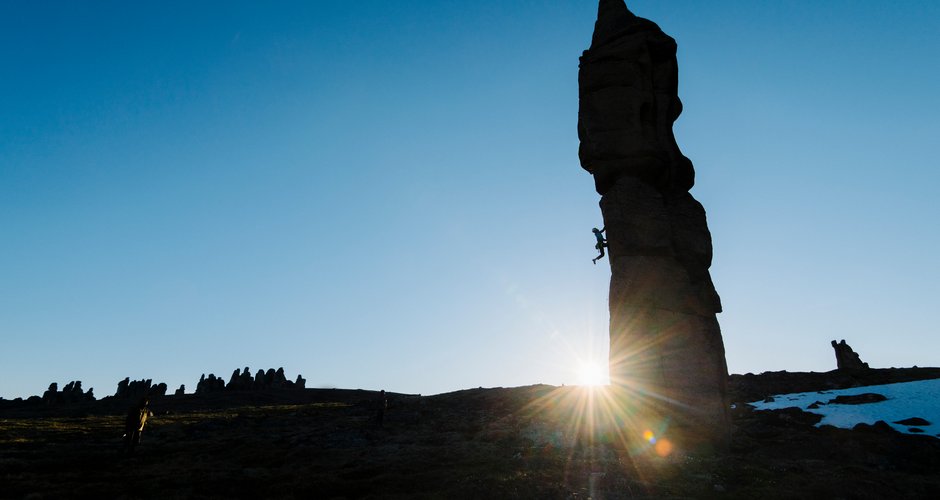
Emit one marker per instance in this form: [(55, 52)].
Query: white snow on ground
[(905, 400)]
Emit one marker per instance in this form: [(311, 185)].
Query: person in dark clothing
[(381, 406), (601, 243), (134, 424)]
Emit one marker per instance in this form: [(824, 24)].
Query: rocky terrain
[(526, 442)]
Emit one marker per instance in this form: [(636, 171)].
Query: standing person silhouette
[(381, 407), (134, 424), (601, 243)]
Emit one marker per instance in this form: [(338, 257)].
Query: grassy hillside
[(528, 442)]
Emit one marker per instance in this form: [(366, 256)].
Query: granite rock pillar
[(666, 351)]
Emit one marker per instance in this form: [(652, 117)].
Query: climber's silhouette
[(601, 243)]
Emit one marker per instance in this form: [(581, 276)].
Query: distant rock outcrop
[(136, 389), (280, 380), (665, 341), (268, 378), (846, 358), (51, 395), (210, 384), (241, 380), (71, 393)]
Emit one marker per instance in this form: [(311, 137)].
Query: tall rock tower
[(666, 352)]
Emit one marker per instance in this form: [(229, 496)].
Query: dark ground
[(526, 442)]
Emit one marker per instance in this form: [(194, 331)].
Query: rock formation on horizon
[(241, 380), (71, 393), (846, 358), (210, 384), (666, 348), (136, 389)]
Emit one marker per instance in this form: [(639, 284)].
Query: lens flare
[(663, 447)]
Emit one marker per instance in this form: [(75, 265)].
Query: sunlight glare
[(591, 374)]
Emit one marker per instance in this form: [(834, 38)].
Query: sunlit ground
[(596, 413)]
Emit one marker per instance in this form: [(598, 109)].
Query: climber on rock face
[(601, 243)]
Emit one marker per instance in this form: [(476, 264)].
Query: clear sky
[(384, 194)]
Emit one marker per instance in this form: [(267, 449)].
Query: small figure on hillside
[(601, 243), (134, 424), (381, 406)]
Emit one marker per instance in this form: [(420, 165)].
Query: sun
[(592, 374)]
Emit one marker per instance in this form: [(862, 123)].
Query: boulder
[(234, 382), (258, 383), (280, 380), (858, 399), (51, 395), (245, 379), (913, 421), (122, 388)]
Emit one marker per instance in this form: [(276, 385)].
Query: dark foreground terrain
[(527, 442)]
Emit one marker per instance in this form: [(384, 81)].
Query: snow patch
[(905, 400)]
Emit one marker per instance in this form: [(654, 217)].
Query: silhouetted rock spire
[(628, 102), (613, 17), (665, 342), (847, 358)]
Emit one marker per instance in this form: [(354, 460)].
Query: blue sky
[(387, 194)]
